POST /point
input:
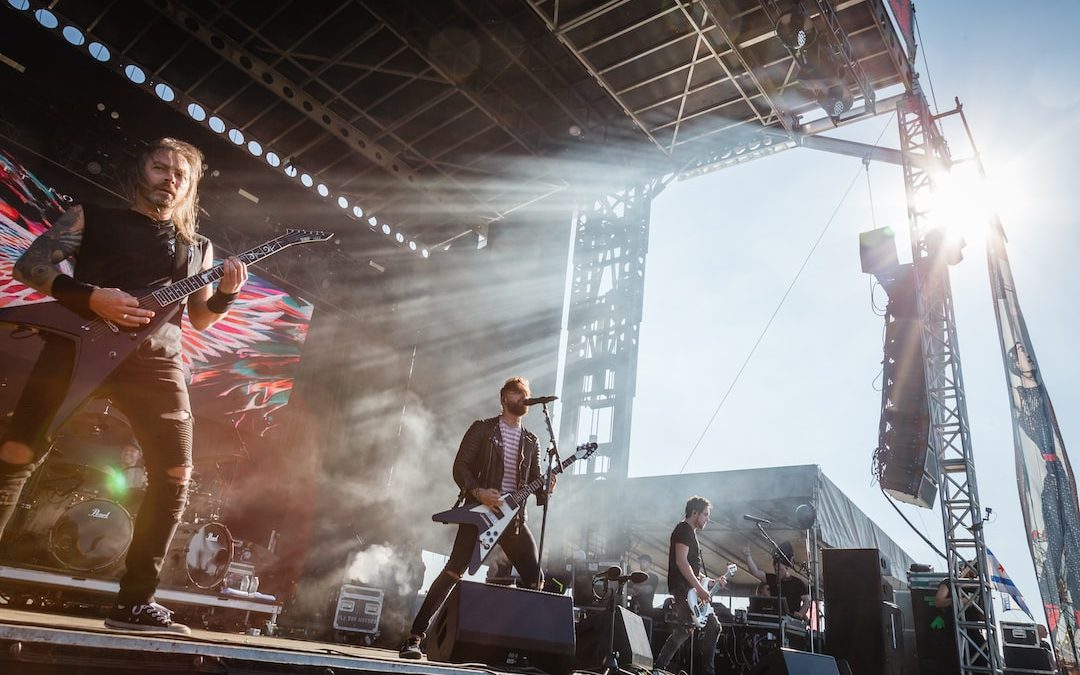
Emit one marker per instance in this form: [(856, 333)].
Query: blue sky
[(725, 246)]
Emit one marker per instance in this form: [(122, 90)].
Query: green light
[(116, 483)]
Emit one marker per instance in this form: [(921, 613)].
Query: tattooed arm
[(37, 266)]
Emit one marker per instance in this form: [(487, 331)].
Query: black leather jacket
[(479, 460)]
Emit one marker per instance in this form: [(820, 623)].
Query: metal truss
[(606, 294), (924, 151)]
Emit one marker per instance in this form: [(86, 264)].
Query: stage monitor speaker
[(859, 626), (791, 662), (504, 626), (631, 640)]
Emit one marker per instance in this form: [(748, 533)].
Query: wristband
[(74, 295), (219, 302)]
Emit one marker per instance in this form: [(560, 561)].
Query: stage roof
[(442, 117)]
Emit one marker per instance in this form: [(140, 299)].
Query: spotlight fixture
[(795, 30), (835, 100)]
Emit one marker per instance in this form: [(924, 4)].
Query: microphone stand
[(777, 554), (553, 459)]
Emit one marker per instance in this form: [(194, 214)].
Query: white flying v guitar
[(492, 523), (701, 609)]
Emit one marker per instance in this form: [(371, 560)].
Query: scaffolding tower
[(924, 152)]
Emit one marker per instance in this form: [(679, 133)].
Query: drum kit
[(77, 513)]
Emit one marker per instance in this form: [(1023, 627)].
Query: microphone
[(639, 577), (540, 399), (755, 519)]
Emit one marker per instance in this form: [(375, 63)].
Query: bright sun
[(964, 203)]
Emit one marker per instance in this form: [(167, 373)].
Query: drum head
[(208, 554), (91, 535)]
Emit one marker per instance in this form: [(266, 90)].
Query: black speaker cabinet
[(791, 662), (935, 638), (631, 640), (504, 626), (859, 626)]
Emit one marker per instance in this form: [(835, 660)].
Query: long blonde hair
[(186, 214)]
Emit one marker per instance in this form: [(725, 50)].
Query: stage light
[(164, 92), (385, 229), (217, 125), (196, 112), (835, 100), (254, 148), (412, 245), (372, 221), (290, 171), (273, 159), (358, 212), (99, 52), (20, 4), (795, 30), (424, 252), (135, 74), (236, 136), (46, 18), (306, 180), (323, 190), (400, 238), (74, 35), (342, 202)]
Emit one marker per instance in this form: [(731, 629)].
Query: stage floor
[(34, 642)]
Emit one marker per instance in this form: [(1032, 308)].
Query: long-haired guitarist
[(118, 252), (685, 573), (496, 456)]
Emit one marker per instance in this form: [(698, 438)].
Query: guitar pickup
[(497, 511)]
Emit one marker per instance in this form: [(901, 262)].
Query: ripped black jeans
[(149, 388)]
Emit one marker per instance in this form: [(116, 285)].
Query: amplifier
[(358, 609)]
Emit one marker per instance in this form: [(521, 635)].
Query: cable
[(783, 298), (870, 190), (926, 64), (913, 528)]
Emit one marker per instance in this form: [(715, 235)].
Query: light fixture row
[(136, 75)]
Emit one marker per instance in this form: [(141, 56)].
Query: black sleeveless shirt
[(124, 249)]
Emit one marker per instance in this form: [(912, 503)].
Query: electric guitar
[(492, 523), (701, 609), (100, 345)]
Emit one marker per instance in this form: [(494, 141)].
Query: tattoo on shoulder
[(37, 265)]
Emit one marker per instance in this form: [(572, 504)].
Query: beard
[(517, 408)]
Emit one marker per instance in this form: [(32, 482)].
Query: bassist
[(685, 572), (118, 252), (496, 456)]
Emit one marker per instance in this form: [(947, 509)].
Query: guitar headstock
[(585, 450), (293, 236), (732, 568)]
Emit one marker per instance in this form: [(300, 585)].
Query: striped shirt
[(511, 444)]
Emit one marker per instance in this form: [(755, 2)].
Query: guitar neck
[(182, 289), (521, 494)]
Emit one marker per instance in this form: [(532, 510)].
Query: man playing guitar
[(686, 572), (120, 252), (496, 456)]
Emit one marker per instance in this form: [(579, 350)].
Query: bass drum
[(91, 535), (200, 555)]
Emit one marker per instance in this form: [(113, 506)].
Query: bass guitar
[(492, 523), (100, 345), (701, 609)]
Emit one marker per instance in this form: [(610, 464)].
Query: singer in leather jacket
[(479, 460)]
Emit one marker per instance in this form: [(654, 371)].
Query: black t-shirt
[(683, 534), (124, 249), (792, 590)]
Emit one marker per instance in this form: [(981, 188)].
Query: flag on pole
[(1044, 476), (1002, 582)]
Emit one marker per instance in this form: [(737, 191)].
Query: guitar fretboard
[(522, 493), (182, 289)]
